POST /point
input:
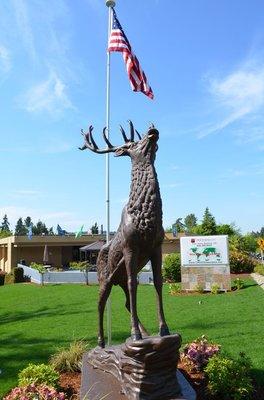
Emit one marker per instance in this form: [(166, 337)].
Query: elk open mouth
[(153, 134)]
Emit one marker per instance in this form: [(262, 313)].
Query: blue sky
[(205, 62)]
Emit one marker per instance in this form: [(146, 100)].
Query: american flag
[(119, 42)]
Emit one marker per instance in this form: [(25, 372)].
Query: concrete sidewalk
[(259, 279)]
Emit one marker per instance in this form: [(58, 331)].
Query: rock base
[(136, 370)]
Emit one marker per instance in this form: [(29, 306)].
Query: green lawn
[(35, 320)]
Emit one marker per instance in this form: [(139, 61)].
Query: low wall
[(204, 277), (73, 276)]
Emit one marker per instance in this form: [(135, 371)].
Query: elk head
[(143, 149)]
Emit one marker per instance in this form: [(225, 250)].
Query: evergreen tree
[(40, 229), (95, 229), (190, 222), (226, 229), (178, 226), (20, 229), (28, 222), (208, 226), (5, 226), (258, 233)]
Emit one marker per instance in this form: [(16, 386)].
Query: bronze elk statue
[(140, 233)]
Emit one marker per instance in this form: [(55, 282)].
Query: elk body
[(140, 233)]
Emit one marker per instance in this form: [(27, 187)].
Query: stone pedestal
[(136, 370)]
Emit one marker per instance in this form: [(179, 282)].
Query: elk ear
[(121, 152)]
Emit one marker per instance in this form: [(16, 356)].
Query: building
[(61, 249)]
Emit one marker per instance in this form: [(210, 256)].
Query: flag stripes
[(118, 42)]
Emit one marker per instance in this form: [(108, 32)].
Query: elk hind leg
[(156, 263), (131, 259), (103, 296)]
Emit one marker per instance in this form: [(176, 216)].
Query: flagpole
[(109, 4)]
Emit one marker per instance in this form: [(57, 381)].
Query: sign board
[(204, 251)]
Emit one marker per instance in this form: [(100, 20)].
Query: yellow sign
[(261, 243)]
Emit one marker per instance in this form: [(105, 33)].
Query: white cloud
[(26, 193), (68, 220), (5, 62), (251, 170), (49, 95), (175, 167), (24, 26), (54, 147), (172, 185), (96, 5), (237, 97), (122, 201)]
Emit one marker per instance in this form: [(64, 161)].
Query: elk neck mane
[(144, 204)]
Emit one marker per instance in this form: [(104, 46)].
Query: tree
[(178, 226), (258, 234), (95, 229), (208, 223), (40, 229), (20, 229), (190, 222), (5, 226), (226, 229), (28, 222), (249, 243)]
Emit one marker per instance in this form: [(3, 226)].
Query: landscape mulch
[(70, 383)]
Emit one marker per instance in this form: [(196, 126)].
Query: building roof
[(67, 240), (50, 240), (93, 246)]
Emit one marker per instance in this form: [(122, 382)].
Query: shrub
[(172, 268), (215, 288), (198, 288), (229, 378), (18, 275), (83, 266), (174, 288), (38, 374), (33, 392), (199, 352), (259, 269), (69, 359), (2, 277), (240, 262), (39, 267), (238, 284), (9, 278)]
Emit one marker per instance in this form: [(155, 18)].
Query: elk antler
[(89, 142), (132, 131)]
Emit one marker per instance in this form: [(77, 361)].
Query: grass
[(35, 321)]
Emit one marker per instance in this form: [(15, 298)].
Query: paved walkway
[(259, 279)]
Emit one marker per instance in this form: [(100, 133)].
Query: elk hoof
[(164, 331), (101, 343), (136, 336)]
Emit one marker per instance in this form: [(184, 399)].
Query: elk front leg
[(142, 329), (103, 296), (131, 259), (156, 262)]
